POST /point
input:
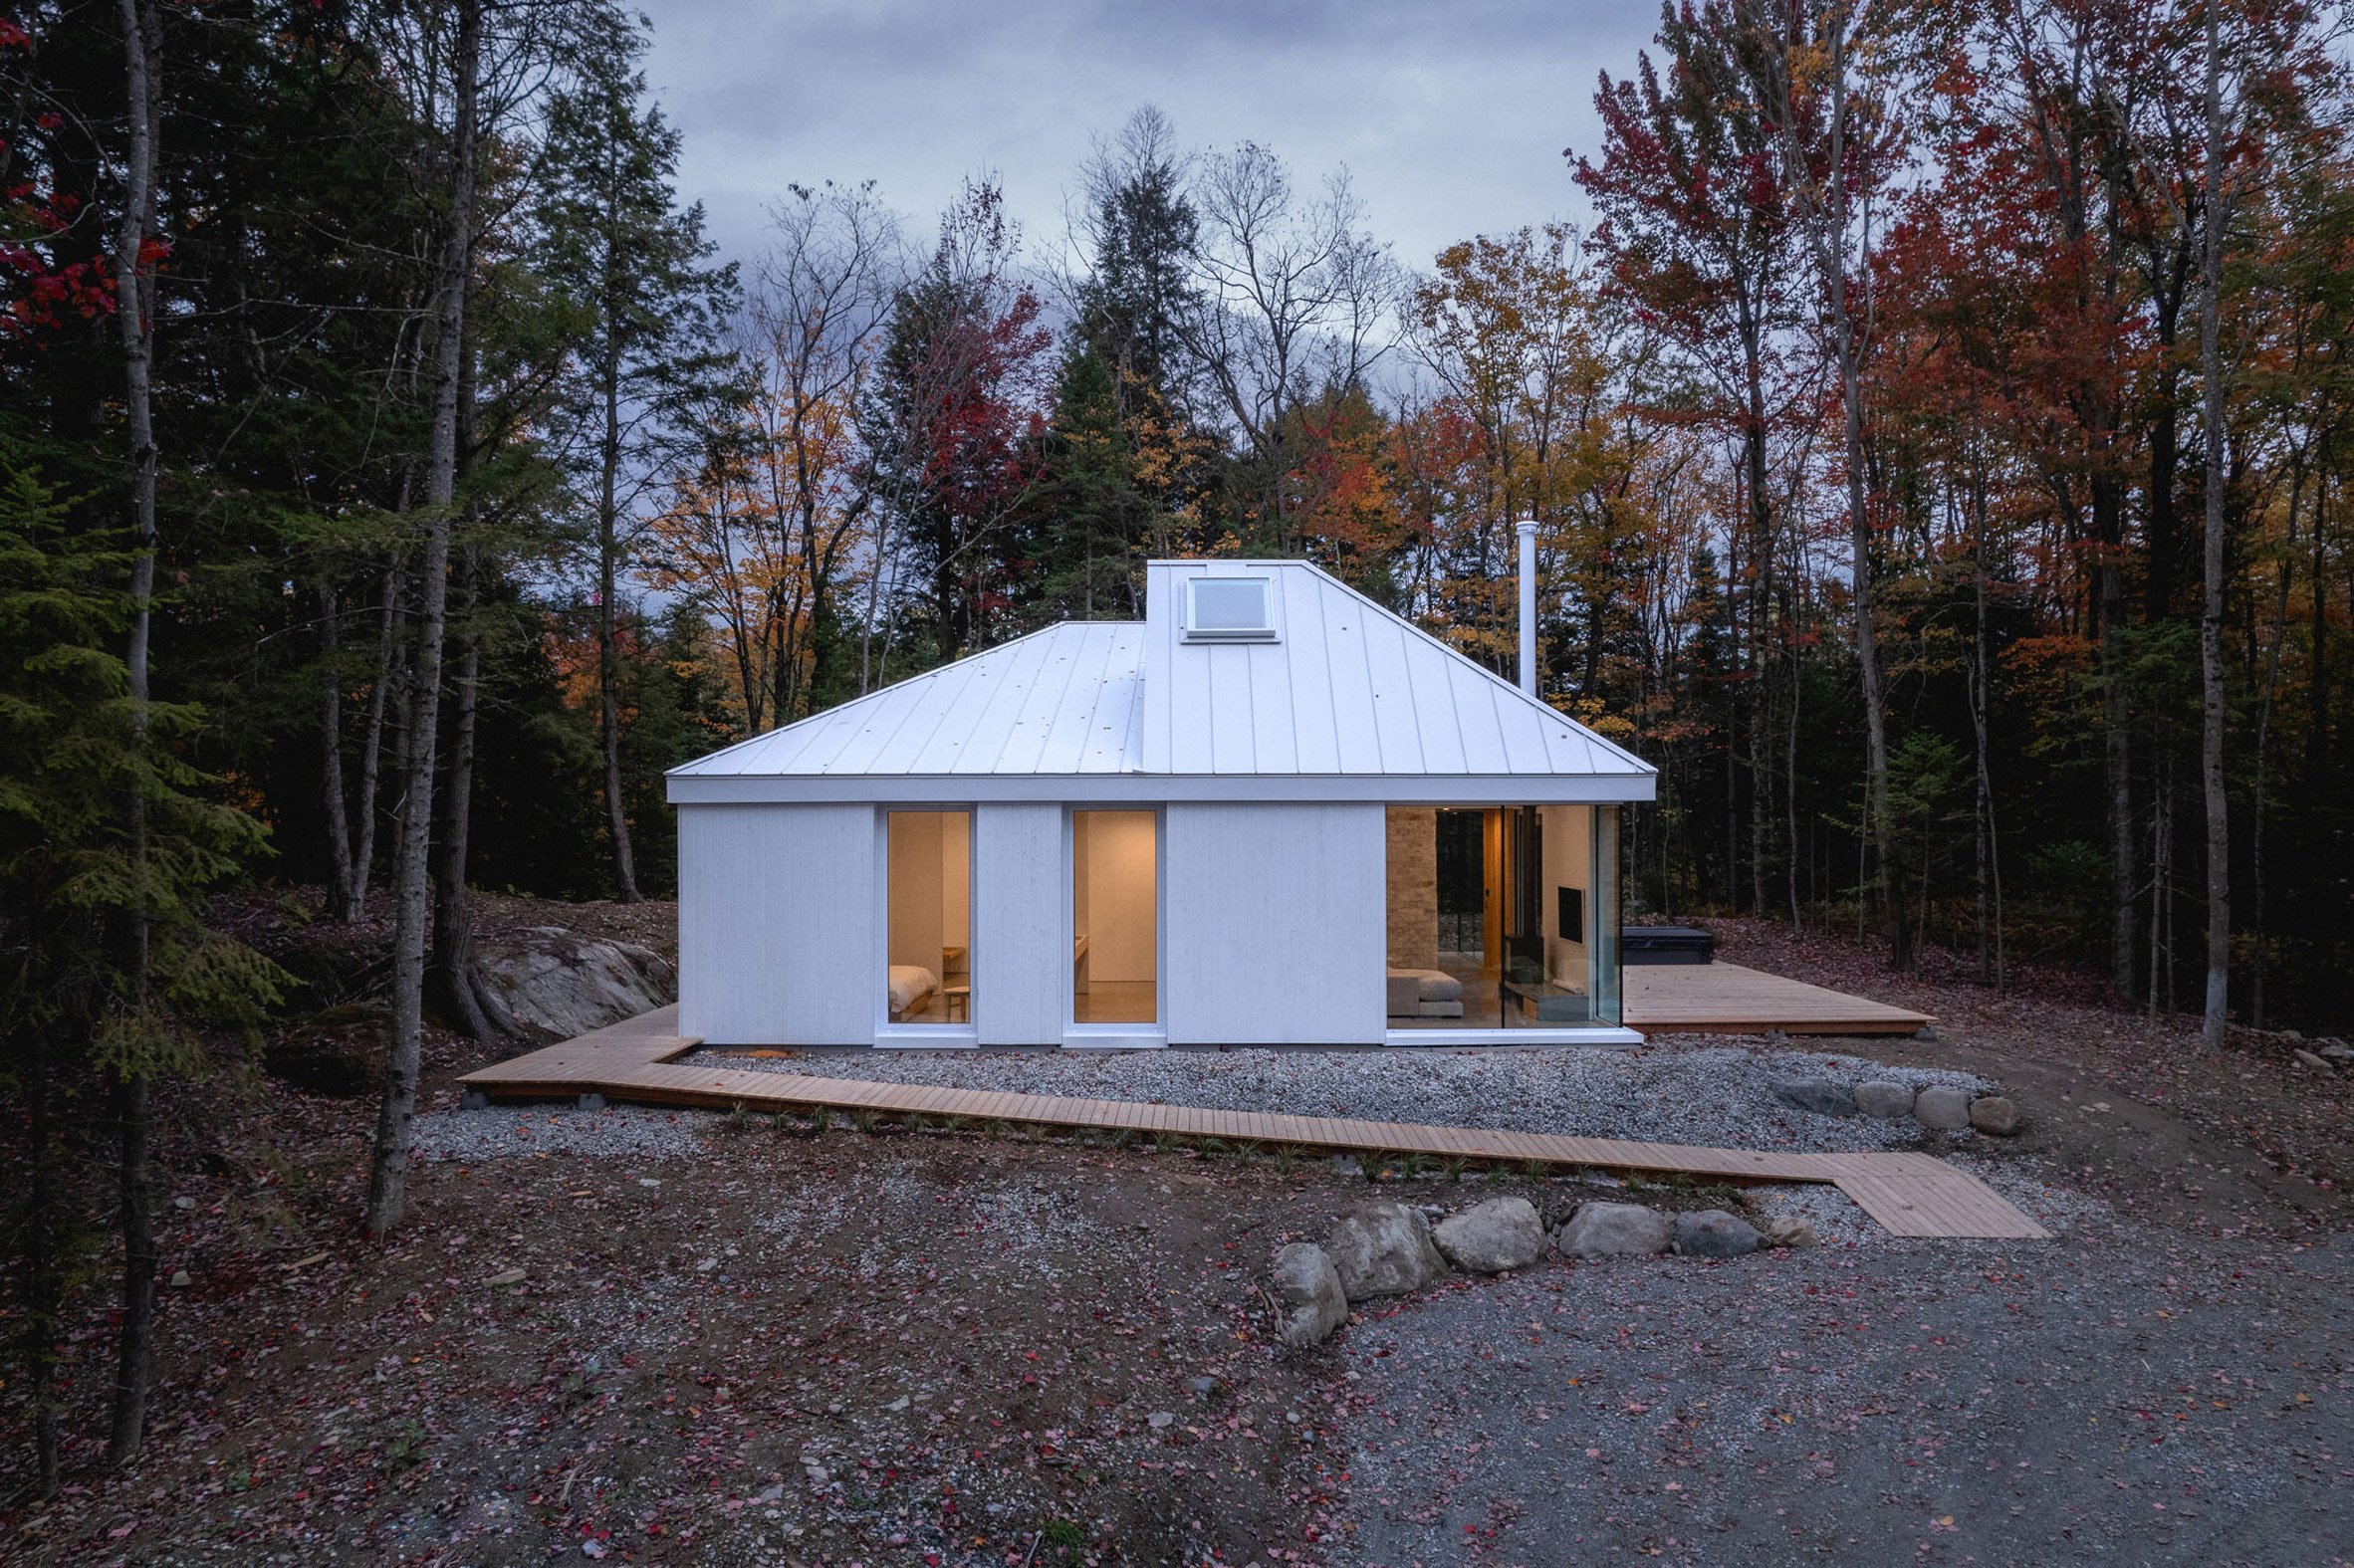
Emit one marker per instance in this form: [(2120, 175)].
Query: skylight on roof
[(1229, 609)]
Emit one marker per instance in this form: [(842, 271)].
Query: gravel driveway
[(2124, 1396), (1711, 1094)]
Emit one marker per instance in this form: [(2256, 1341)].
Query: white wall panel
[(777, 925), (1020, 954), (1276, 924)]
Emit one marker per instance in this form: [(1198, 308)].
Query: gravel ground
[(521, 1131), (1708, 1094), (2128, 1396)]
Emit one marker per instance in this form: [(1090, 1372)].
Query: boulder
[(2339, 1051), (1489, 1238), (1712, 1232), (1994, 1114), (1791, 1232), (564, 983), (1942, 1109), (1819, 1095), (1383, 1249), (2312, 1059), (1613, 1230), (1310, 1303), (1887, 1098)]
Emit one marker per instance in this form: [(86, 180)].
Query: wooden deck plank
[(1911, 1194), (1730, 998)]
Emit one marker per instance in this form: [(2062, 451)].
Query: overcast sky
[(1451, 116)]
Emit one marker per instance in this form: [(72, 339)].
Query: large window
[(1114, 917), (1502, 916), (928, 976)]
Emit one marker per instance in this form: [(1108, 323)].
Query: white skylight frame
[(1229, 622)]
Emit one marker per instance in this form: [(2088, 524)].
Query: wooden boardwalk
[(1726, 998), (1912, 1195)]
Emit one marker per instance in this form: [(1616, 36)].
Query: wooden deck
[(1912, 1195), (1726, 998)]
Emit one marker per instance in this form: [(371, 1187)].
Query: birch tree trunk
[(388, 1188), (2211, 619), (135, 314)]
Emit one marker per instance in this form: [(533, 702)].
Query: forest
[(1932, 421)]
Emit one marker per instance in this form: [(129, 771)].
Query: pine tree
[(637, 268)]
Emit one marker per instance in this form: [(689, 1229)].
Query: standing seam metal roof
[(1346, 688)]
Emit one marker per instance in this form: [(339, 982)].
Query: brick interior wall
[(1413, 887)]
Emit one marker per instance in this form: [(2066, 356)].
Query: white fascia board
[(1120, 789)]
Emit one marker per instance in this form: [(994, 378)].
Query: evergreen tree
[(637, 268)]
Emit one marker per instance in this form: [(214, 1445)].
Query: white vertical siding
[(776, 925), (1276, 924), (1020, 953)]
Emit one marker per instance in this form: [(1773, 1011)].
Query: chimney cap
[(1526, 524)]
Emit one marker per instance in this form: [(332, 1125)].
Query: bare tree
[(1293, 293)]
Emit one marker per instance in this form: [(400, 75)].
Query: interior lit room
[(1114, 902), (1497, 917), (929, 974)]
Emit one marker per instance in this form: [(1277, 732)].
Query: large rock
[(1887, 1098), (1489, 1238), (1310, 1303), (1942, 1109), (1383, 1249), (1712, 1232), (1790, 1230), (1991, 1113), (1613, 1230), (1819, 1095), (560, 980)]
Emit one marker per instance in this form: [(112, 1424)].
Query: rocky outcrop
[(564, 984), (1489, 1238)]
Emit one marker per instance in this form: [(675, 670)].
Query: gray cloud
[(1449, 117)]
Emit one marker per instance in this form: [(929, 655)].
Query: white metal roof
[(1349, 702)]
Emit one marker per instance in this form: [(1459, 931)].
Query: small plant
[(956, 1124), (406, 1446), (1634, 1182), (780, 1122), (865, 1121), (1453, 1167), (1532, 1170), (998, 1127), (1064, 1535), (1286, 1157), (737, 1120), (1122, 1137), (1208, 1146), (916, 1122), (1410, 1164)]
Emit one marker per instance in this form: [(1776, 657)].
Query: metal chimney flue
[(1528, 531)]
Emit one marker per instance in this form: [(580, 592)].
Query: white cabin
[(1272, 813)]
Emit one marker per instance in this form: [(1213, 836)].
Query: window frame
[(1195, 632)]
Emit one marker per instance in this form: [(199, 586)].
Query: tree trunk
[(2210, 620), (44, 1261), (372, 745), (331, 747), (458, 991), (136, 314), (387, 1190), (608, 568)]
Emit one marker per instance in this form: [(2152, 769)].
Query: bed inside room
[(928, 974)]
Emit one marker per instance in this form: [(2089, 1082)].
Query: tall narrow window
[(928, 973), (1115, 918)]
